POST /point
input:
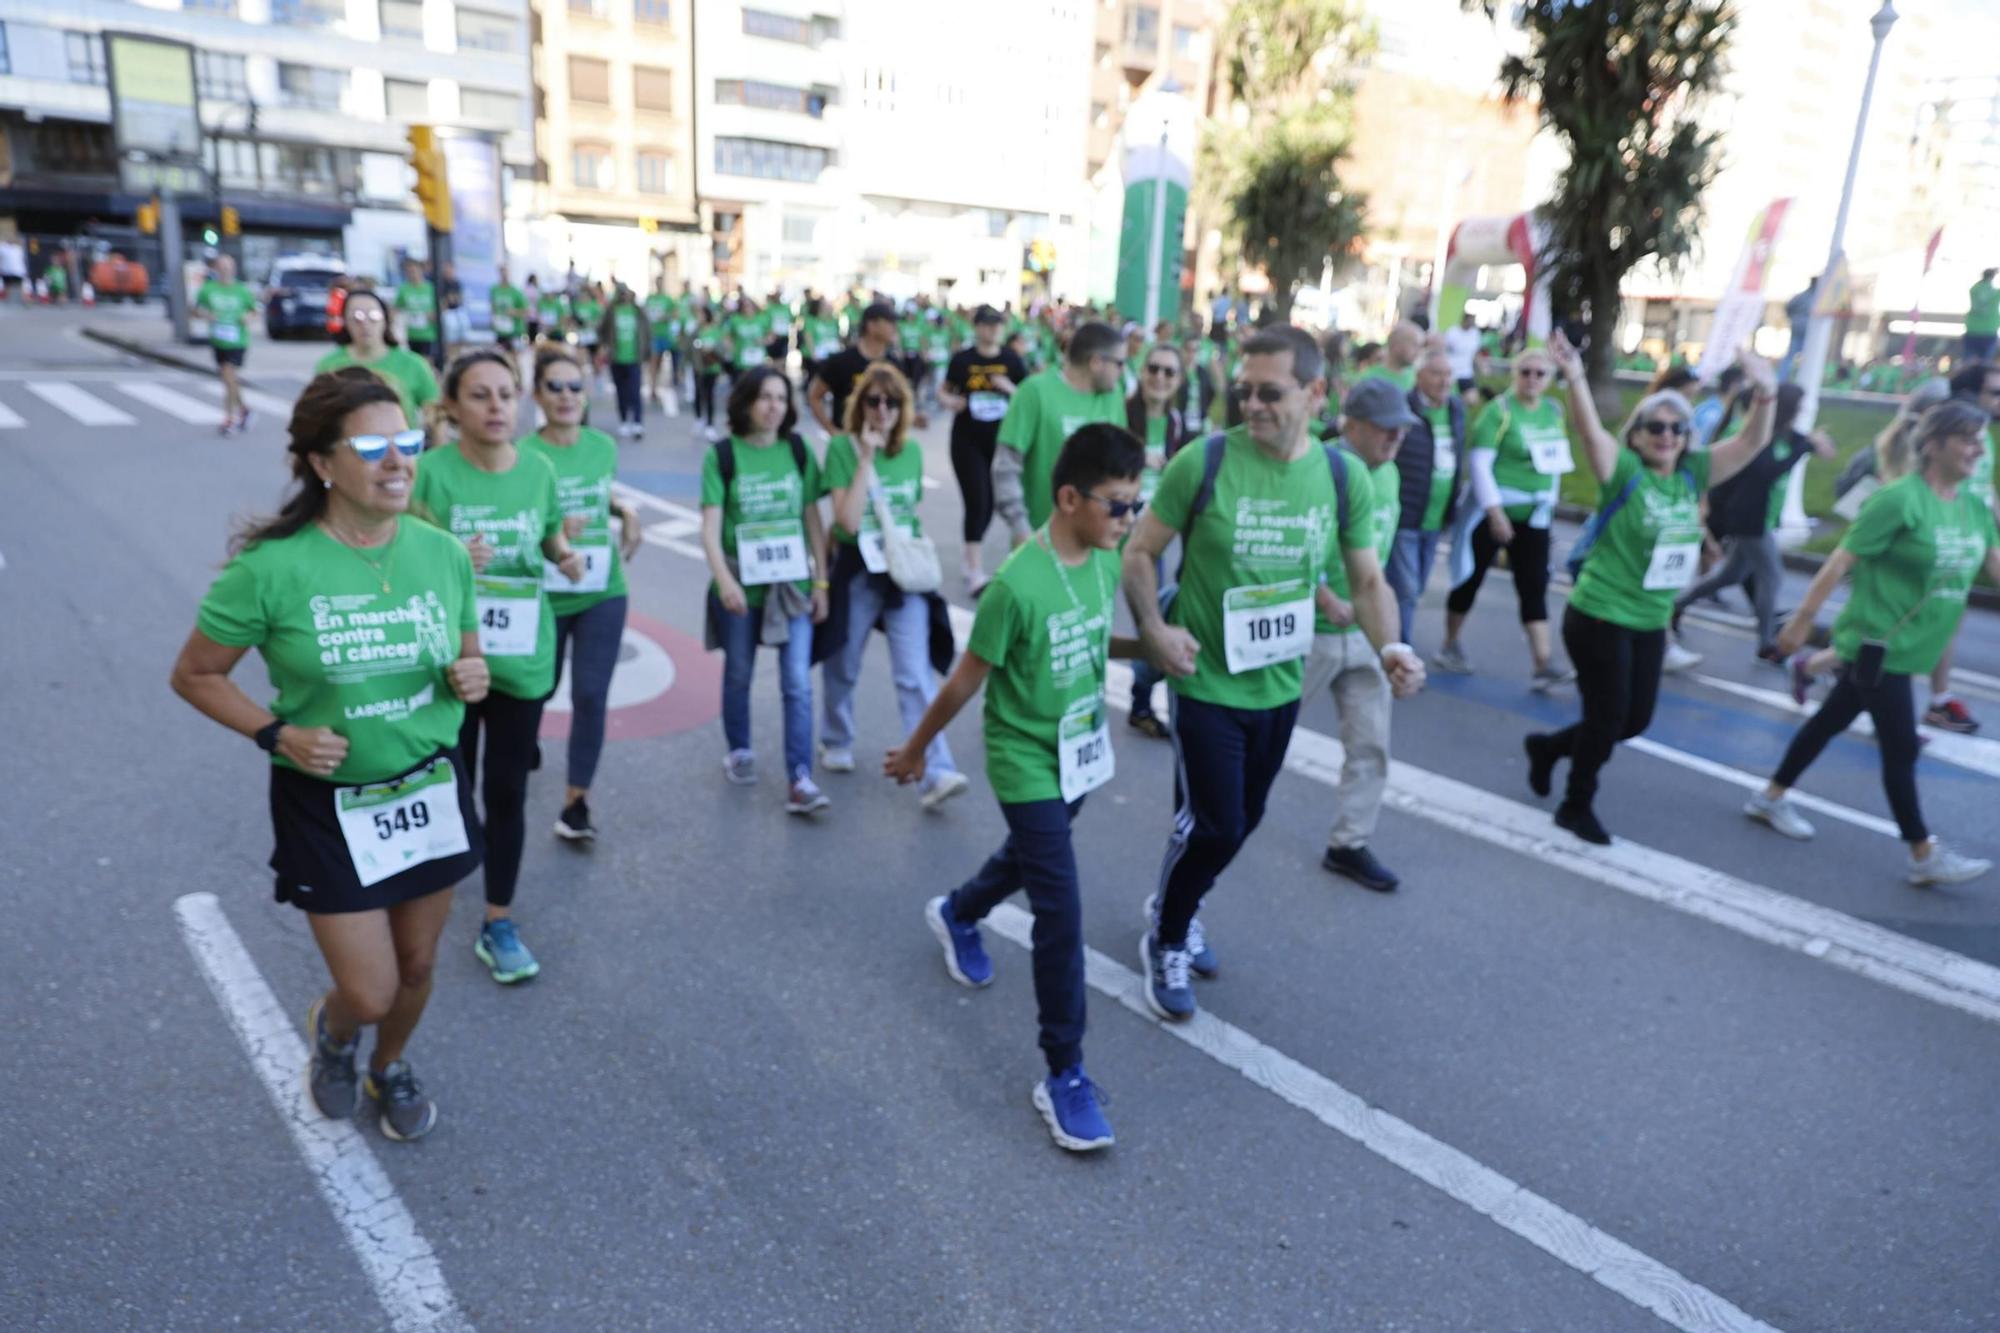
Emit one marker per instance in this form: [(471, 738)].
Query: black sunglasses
[(1664, 427), (1263, 393), (1163, 369), (880, 400), (562, 386), (1116, 508), (1532, 373)]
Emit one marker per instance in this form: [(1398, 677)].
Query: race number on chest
[(1263, 624), (771, 552)]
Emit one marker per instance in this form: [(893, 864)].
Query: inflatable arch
[(1478, 242)]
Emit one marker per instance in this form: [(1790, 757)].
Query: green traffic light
[(208, 236)]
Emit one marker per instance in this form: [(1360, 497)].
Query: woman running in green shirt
[(368, 341)]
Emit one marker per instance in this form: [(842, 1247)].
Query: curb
[(161, 355)]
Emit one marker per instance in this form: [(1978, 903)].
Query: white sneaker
[(1680, 659), (942, 788), (1945, 866), (806, 798), (1780, 815), (740, 766), (836, 758)]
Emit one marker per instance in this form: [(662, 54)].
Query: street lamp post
[(1794, 527)]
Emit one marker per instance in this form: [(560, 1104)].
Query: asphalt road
[(1705, 1078)]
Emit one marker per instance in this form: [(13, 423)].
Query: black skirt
[(314, 869)]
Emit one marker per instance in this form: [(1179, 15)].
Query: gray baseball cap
[(1379, 402)]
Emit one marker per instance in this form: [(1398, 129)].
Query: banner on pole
[(477, 245), (1741, 309)]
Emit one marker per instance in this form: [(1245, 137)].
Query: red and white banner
[(1741, 309)]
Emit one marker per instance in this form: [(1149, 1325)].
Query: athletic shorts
[(229, 356), (314, 870)]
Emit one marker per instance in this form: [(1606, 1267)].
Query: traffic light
[(433, 191), (232, 222), (149, 217), (209, 236)]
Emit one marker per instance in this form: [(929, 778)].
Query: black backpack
[(725, 462), (1212, 450)]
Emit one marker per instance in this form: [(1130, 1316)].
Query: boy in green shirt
[(1039, 644), (229, 305)]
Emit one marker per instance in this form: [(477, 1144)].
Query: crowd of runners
[(1272, 505)]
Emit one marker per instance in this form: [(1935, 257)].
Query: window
[(652, 89), (217, 8), (1100, 54), (403, 19), (220, 76), (1142, 27), (479, 31), (588, 8), (590, 166), (652, 11), (303, 168), (589, 80), (86, 57), (653, 173), (6, 54), (1100, 113), (406, 101), (1187, 41), (483, 104), (235, 160), (769, 160), (313, 89), (771, 96), (777, 27), (801, 228), (309, 13)]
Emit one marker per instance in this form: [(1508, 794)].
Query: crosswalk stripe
[(10, 419), (1975, 753), (87, 409), (172, 403), (255, 400)]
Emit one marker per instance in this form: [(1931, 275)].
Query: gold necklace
[(382, 569)]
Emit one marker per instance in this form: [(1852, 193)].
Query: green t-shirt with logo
[(509, 309), (1512, 431), (1983, 313), (1915, 558), (746, 334), (1444, 467), (584, 472), (901, 479), (588, 312), (345, 655), (551, 308), (401, 369), (822, 337), (1268, 523), (515, 511), (229, 306), (1043, 413), (416, 302), (1651, 549), (1384, 502), (767, 489), (625, 348), (661, 313), (1045, 629)]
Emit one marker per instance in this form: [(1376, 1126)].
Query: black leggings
[(1892, 706), (704, 394), (974, 467), (1618, 677), (512, 752), (1527, 557)]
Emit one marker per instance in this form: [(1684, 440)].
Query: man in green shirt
[(1046, 410), (624, 339), (1264, 532), (229, 305), (1430, 467), (416, 307), (510, 311), (1982, 317), (1399, 357), (663, 316)]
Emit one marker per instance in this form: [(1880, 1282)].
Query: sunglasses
[(880, 400), (373, 448), (1531, 373), (1664, 427), (562, 386), (1168, 371), (365, 316), (1268, 394), (1116, 508)]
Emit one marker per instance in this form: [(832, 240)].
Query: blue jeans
[(1409, 572), (1225, 760), (909, 631), (592, 636), (739, 663), (628, 381), (1038, 857)]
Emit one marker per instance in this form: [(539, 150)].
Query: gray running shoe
[(406, 1113), (1780, 815), (1945, 866), (836, 758), (740, 766), (1551, 676), (330, 1074), (1451, 660)]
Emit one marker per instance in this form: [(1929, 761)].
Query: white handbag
[(912, 559)]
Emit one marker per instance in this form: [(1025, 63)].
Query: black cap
[(878, 310), (986, 314)]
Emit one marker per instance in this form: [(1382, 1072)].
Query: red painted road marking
[(664, 683)]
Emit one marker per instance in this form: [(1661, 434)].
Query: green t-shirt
[(584, 472), (1915, 558), (661, 312), (398, 367), (822, 337), (1156, 458), (1444, 467), (1651, 549), (1045, 629), (625, 348), (515, 511), (1980, 483), (588, 312), (344, 654), (1516, 433), (767, 489), (1268, 524), (1404, 379), (1384, 502), (509, 307), (417, 304), (1983, 313), (850, 315), (901, 479), (1043, 413), (746, 335), (229, 306), (551, 308)]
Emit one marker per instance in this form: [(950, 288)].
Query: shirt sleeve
[(1024, 418), (424, 386), (468, 602), (233, 614), (552, 512), (1179, 481), (841, 463), (995, 625), (711, 479), (1877, 526), (1358, 533), (1621, 472)]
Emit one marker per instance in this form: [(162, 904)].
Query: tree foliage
[(1291, 56), (1623, 82), (1290, 210)]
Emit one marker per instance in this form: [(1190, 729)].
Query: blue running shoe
[(1200, 956), (1069, 1102), (964, 951), (1168, 993), (499, 947)]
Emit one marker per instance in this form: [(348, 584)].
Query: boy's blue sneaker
[(964, 951), (499, 947), (1168, 993), (1069, 1102), (1200, 956)]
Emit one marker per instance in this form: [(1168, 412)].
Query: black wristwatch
[(267, 737)]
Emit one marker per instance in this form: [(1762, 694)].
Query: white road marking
[(10, 419), (172, 403), (1646, 1282), (1974, 753), (396, 1258), (85, 408), (1736, 777), (279, 409)]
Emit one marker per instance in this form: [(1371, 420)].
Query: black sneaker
[(1541, 762), (330, 1074), (1149, 724), (406, 1113), (1359, 864), (573, 825), (1579, 819)]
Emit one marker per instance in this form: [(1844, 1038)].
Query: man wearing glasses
[(1269, 542), (1047, 410)]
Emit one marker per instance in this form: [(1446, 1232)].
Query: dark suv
[(295, 297)]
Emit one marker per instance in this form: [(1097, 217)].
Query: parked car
[(117, 278), (296, 295)]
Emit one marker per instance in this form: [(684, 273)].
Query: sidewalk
[(282, 365)]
